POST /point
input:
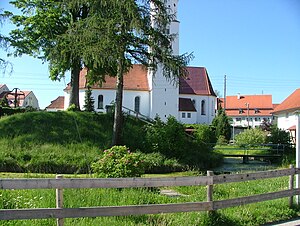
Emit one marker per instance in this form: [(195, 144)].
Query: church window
[(100, 102), (203, 107), (137, 103)]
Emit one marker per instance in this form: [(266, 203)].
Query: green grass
[(233, 149), (252, 214), (59, 142)]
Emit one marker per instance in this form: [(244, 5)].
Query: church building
[(192, 100)]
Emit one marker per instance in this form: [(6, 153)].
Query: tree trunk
[(74, 92), (118, 119)]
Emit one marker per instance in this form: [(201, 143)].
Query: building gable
[(291, 103)]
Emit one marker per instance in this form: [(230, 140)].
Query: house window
[(238, 119), (137, 102), (203, 107), (183, 115), (100, 102), (256, 111), (189, 115), (241, 111)]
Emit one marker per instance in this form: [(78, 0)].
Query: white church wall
[(109, 96)]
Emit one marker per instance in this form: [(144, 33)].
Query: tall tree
[(222, 124), (43, 31), (129, 35)]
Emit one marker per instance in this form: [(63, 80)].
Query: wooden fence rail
[(209, 205)]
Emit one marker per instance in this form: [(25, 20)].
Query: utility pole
[(247, 105), (297, 113), (224, 92)]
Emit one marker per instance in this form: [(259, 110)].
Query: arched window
[(137, 102), (203, 107), (100, 102)]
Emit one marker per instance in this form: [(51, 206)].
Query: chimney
[(239, 96)]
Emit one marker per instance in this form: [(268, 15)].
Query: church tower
[(164, 94)]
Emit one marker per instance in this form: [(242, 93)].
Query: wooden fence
[(209, 205)]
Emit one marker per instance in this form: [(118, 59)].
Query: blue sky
[(255, 43)]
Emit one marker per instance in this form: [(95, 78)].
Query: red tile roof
[(186, 104), (197, 81), (291, 103), (135, 79), (58, 103), (259, 105)]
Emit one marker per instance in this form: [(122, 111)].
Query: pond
[(235, 165)]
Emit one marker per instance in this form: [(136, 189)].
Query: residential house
[(18, 98), (286, 113), (3, 89), (248, 110), (57, 104)]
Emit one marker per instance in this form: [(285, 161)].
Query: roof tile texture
[(291, 103), (197, 82)]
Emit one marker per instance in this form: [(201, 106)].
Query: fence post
[(291, 185), (59, 201), (210, 188)]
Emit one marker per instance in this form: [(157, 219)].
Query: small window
[(183, 115), (189, 115), (137, 103), (203, 110), (241, 111), (100, 102)]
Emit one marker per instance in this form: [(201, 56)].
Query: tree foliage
[(45, 30), (251, 137), (222, 125), (279, 136)]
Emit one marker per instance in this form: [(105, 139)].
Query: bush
[(158, 163), (204, 133), (251, 137), (171, 140), (119, 161), (279, 136)]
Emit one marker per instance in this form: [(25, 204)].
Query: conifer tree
[(221, 124), (89, 100)]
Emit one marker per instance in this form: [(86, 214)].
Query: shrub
[(158, 163), (278, 136), (171, 140), (204, 133), (251, 137), (119, 161)]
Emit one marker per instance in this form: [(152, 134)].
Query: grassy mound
[(57, 142)]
